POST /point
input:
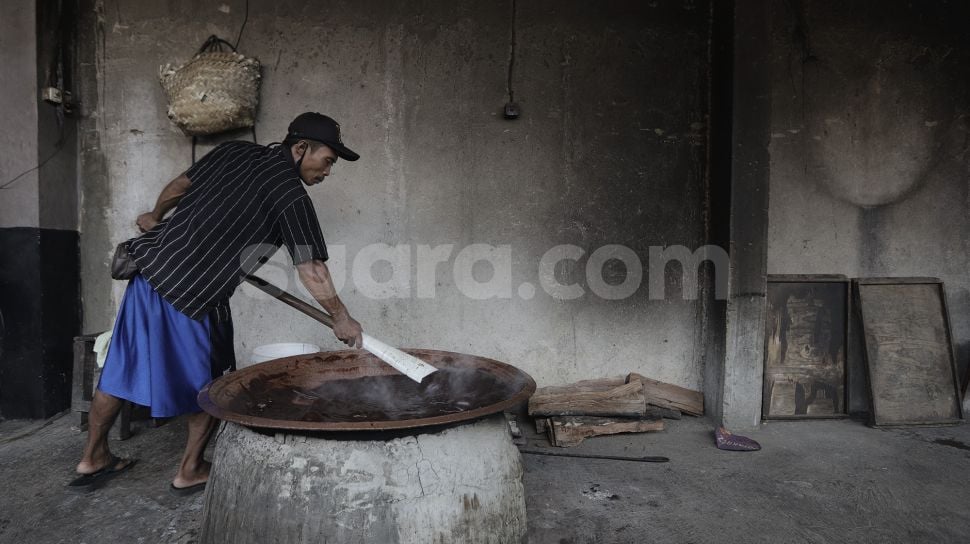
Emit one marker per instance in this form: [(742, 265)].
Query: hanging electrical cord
[(239, 37), (511, 110), (511, 55), (58, 148), (55, 79), (234, 48), (245, 20)]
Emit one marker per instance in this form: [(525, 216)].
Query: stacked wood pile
[(632, 404)]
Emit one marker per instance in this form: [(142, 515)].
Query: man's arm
[(168, 199), (316, 277)]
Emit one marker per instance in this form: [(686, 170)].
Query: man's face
[(316, 164)]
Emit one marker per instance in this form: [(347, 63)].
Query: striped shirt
[(245, 201)]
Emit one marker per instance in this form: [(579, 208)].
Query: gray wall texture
[(609, 150), (19, 202), (869, 165), (39, 259), (34, 134)]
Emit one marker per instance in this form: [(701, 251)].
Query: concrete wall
[(19, 202), (56, 128), (609, 150), (39, 144), (869, 166), (739, 405), (39, 278)]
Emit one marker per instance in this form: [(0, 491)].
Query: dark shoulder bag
[(123, 267)]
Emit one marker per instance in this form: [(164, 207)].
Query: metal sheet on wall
[(909, 352), (805, 347)]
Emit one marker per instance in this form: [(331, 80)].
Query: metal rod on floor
[(648, 459)]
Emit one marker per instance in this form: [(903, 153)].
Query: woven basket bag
[(213, 92)]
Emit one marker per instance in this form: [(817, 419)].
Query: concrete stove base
[(462, 484)]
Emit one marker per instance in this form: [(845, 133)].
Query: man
[(173, 333)]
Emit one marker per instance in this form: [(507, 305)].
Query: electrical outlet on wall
[(511, 111), (52, 95)]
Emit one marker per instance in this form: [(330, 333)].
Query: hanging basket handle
[(215, 43)]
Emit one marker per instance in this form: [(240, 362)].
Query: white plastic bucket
[(286, 349)]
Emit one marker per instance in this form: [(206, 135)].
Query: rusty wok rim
[(359, 363)]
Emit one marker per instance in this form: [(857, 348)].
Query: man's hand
[(316, 278), (348, 330), (146, 221)]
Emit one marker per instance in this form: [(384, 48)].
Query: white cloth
[(410, 366), (101, 344)]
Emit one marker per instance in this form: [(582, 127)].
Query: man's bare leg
[(104, 410), (194, 469)]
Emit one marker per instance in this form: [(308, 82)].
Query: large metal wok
[(352, 390)]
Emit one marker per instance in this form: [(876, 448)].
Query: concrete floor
[(814, 481)]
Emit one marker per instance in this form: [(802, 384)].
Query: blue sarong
[(162, 358)]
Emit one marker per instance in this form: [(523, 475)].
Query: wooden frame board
[(909, 352), (806, 333)]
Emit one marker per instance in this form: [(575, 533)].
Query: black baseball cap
[(320, 128)]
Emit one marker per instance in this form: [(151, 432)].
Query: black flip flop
[(90, 482), (186, 491)]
